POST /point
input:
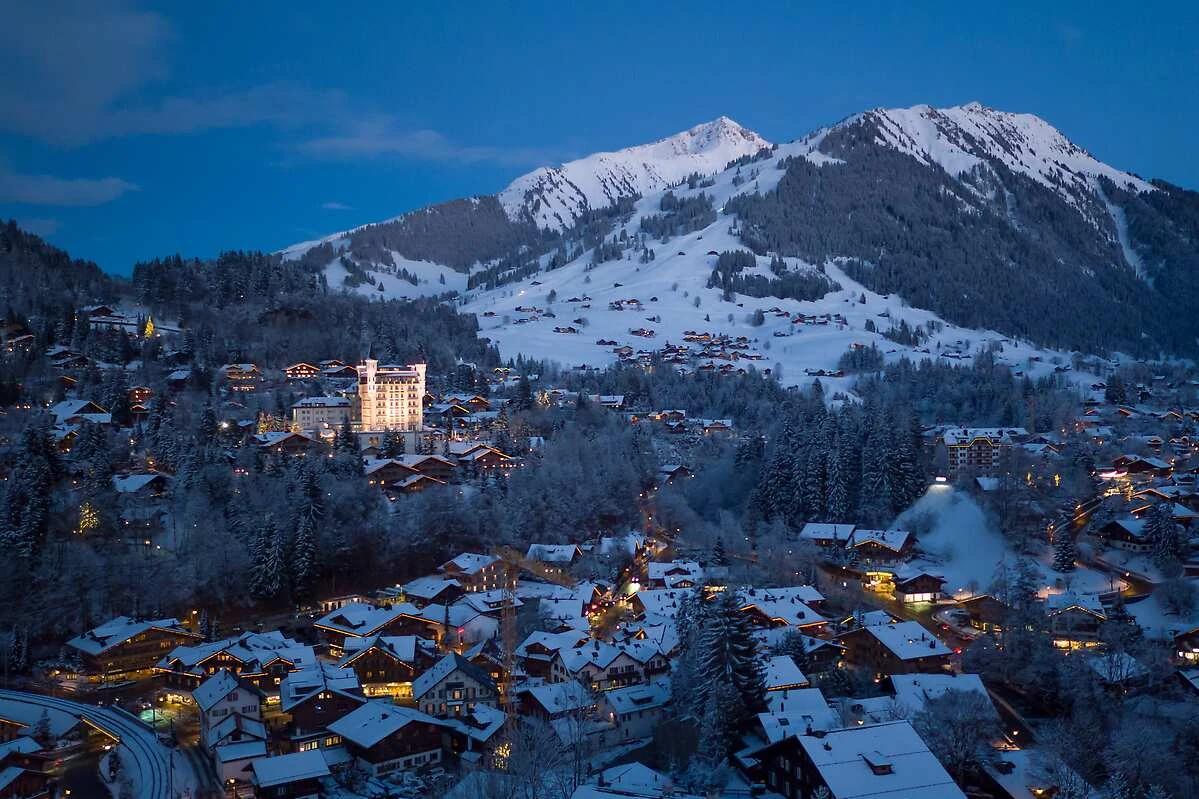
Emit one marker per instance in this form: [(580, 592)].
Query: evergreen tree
[(266, 556), (1162, 534), (1063, 551), (718, 555), (303, 558)]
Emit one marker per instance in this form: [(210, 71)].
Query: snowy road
[(146, 760)]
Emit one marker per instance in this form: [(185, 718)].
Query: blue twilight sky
[(130, 130)]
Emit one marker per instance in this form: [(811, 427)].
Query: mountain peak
[(555, 197)]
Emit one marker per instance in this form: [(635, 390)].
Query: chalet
[(339, 372), (223, 695), (241, 377), (235, 762), (718, 428), (414, 484), (384, 738), (386, 665), (315, 697), (770, 607), (258, 659), (359, 620), (480, 457), (874, 761), (1074, 619), (782, 674), (475, 402), (1126, 533), (453, 687), (1141, 468), (432, 465), (288, 444), (552, 701), (430, 589), (475, 572), (673, 471), (536, 653), (301, 371), (898, 648), (604, 666), (826, 534), (986, 613), (140, 499), (917, 586), (477, 733), (77, 411), (292, 776), (383, 472), (553, 554), (880, 546), (126, 648), (25, 771), (636, 711), (674, 574)]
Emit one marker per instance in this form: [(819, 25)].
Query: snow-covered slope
[(554, 197), (966, 136)]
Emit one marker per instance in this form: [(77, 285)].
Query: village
[(563, 658)]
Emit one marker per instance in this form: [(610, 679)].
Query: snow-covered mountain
[(959, 220), (555, 197)]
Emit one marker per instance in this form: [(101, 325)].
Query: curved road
[(149, 762)]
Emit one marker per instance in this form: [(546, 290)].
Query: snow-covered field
[(963, 545)]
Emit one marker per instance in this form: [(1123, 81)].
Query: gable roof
[(375, 720), (907, 640), (284, 769), (121, 629), (215, 688), (300, 686), (444, 668)]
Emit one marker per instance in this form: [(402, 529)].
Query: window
[(308, 746)]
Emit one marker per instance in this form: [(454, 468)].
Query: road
[(148, 762)]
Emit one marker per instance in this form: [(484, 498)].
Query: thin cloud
[(51, 190), (336, 206), (382, 138)]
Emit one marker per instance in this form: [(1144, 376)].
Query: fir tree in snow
[(303, 558), (719, 557), (1162, 534), (346, 442), (393, 446), (266, 555), (1063, 551)]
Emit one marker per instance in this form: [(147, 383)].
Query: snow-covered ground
[(963, 545)]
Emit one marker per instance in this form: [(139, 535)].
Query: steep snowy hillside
[(555, 197), (964, 137)]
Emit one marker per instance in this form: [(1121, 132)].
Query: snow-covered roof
[(965, 435), (913, 691), (283, 769), (894, 540), (469, 563), (480, 724), (132, 483), (1057, 603), (794, 711), (299, 686), (214, 689), (444, 668), (402, 647), (907, 640), (323, 402), (429, 586), (826, 531), (560, 697), (552, 642), (671, 573), (552, 553), (375, 720), (242, 750), (781, 672), (253, 650), (118, 630), (635, 698), (359, 618), (663, 602), (878, 760)]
